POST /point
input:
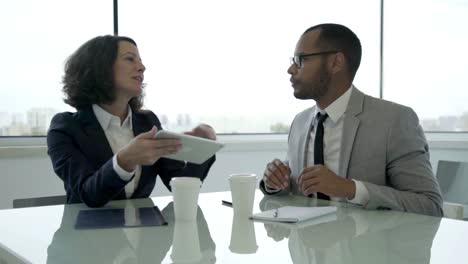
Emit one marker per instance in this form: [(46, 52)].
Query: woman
[(106, 150)]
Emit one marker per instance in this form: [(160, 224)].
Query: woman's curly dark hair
[(89, 74)]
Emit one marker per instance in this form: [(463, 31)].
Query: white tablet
[(194, 149)]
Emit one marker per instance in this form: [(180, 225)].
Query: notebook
[(293, 214)]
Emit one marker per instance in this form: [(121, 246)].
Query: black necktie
[(318, 148)]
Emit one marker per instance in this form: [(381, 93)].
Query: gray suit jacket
[(384, 147)]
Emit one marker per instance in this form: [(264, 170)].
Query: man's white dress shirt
[(332, 136)]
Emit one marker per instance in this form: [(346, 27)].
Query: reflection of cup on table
[(186, 243), (243, 240), (243, 193), (185, 192)]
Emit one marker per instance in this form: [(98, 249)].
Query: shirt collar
[(336, 109), (104, 118)]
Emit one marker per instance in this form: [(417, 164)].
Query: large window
[(225, 62), (37, 37), (426, 60)]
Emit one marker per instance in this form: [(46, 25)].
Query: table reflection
[(243, 240), (126, 245), (354, 236), (186, 247)]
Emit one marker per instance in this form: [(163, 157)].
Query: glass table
[(47, 235)]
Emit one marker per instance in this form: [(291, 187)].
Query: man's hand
[(276, 175), (203, 131), (319, 178)]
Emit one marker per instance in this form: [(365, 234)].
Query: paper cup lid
[(243, 176), (189, 180)]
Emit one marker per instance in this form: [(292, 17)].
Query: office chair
[(453, 181)]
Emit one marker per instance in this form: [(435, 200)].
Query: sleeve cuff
[(361, 196), (123, 174)]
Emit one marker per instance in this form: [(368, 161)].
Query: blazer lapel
[(139, 123), (98, 141), (350, 127)]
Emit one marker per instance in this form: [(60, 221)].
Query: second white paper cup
[(243, 192)]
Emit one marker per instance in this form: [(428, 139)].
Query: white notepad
[(292, 214)]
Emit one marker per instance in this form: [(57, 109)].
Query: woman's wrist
[(125, 162)]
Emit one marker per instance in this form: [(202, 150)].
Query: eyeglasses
[(298, 59)]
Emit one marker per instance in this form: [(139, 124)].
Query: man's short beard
[(320, 89)]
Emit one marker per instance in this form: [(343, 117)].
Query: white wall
[(27, 172)]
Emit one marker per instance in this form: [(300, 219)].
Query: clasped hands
[(316, 178)]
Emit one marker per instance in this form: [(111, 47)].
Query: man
[(350, 146)]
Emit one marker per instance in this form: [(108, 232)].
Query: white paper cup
[(186, 243), (185, 192), (243, 193), (243, 240)]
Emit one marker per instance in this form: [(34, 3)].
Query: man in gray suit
[(350, 146)]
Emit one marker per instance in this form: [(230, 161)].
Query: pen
[(226, 203)]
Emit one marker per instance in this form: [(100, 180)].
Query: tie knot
[(321, 118)]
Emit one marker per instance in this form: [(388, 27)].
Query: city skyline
[(36, 121)]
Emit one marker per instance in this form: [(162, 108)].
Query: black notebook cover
[(115, 218)]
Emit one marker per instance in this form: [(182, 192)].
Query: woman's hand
[(203, 131), (144, 149)]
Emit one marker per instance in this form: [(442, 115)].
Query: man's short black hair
[(340, 38)]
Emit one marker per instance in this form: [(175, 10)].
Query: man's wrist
[(350, 189)]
